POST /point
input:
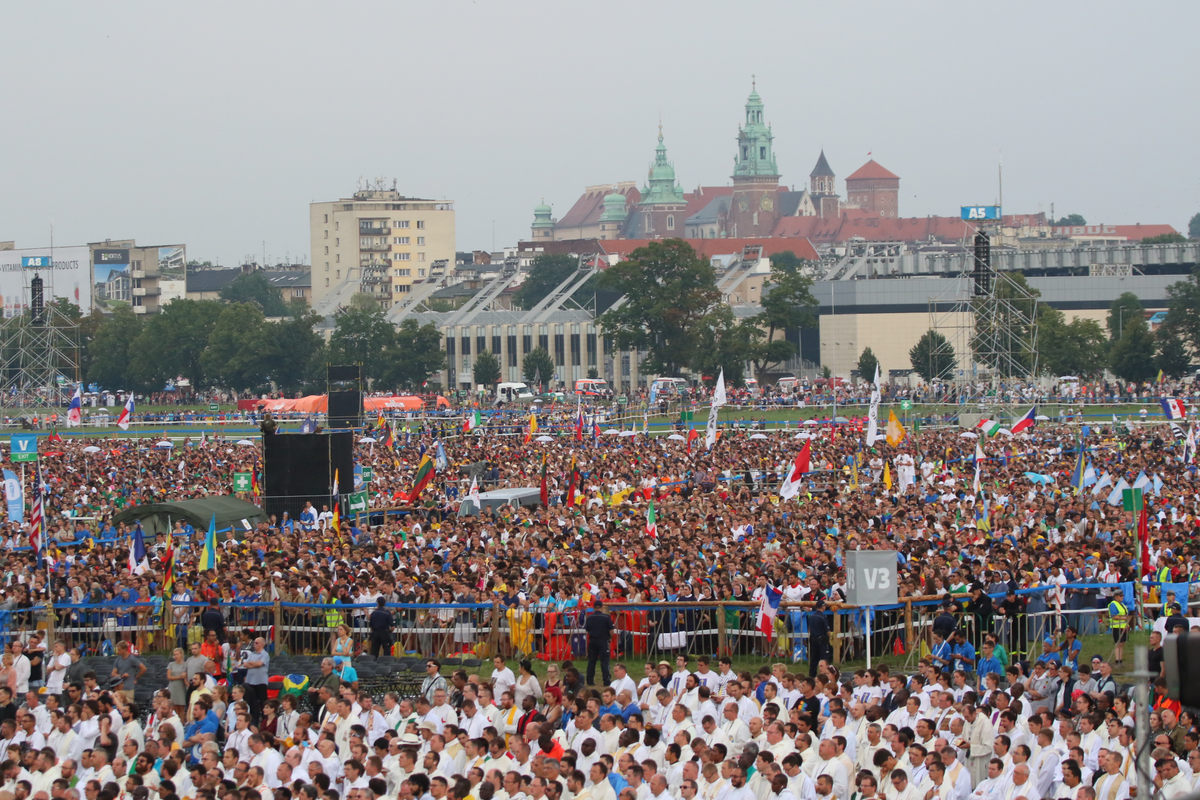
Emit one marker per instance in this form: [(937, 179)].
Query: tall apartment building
[(145, 278), (379, 242)]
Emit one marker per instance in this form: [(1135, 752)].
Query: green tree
[(932, 356), (171, 344), (236, 356), (724, 344), (670, 293), (1183, 310), (363, 301), (1123, 309), (537, 366), (1172, 353), (787, 305), (361, 334), (415, 355), (545, 273), (867, 363), (486, 369), (1165, 238), (593, 373), (253, 287), (787, 261), (1069, 219), (1077, 348), (292, 345), (67, 309), (110, 351), (1132, 357), (1194, 227), (86, 332)]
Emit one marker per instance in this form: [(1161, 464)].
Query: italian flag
[(472, 421), (651, 522), (425, 472), (989, 426)]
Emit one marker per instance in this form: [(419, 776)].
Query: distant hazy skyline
[(215, 125)]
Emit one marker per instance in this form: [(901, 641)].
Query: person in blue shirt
[(347, 673), (941, 653), (963, 652), (204, 721), (989, 664), (610, 705)]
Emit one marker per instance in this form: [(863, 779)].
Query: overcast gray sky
[(215, 124)]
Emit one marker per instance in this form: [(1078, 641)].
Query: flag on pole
[(978, 486), (718, 400), (336, 480), (138, 563), (578, 422), (692, 436), (767, 611), (126, 415), (1144, 543), (472, 422), (425, 473), (1189, 448), (37, 538), (208, 554), (887, 475), (545, 487), (873, 414), (168, 586), (571, 474), (794, 480), (1078, 473), (1160, 377), (532, 427), (1027, 421), (473, 494), (990, 427), (1172, 407), (895, 431), (651, 522), (75, 409)]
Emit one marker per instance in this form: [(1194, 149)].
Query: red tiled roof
[(590, 205), (873, 228), (871, 169), (1133, 233), (718, 247)]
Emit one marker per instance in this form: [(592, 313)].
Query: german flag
[(425, 473), (390, 439)]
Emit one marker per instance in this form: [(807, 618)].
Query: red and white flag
[(793, 481), (127, 415)]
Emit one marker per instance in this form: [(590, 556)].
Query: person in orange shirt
[(211, 649)]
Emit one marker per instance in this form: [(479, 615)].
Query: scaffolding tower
[(39, 346), (987, 321)]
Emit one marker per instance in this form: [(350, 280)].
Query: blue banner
[(15, 496)]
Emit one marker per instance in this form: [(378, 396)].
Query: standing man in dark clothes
[(380, 623), (599, 628), (213, 620), (819, 646)]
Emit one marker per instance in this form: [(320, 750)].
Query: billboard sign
[(107, 261), (67, 272), (981, 212), (23, 447), (871, 577)]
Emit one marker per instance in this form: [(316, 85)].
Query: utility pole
[(1141, 720)]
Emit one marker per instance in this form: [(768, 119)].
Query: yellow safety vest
[(333, 617), (1117, 609)]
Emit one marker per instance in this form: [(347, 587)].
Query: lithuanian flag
[(425, 473)]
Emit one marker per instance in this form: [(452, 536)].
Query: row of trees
[(233, 345)]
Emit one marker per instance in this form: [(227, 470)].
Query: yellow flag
[(895, 431), (887, 476)]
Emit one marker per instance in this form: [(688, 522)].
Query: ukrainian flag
[(208, 556)]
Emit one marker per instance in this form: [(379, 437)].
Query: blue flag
[(15, 496)]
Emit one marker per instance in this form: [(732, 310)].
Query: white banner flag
[(873, 414)]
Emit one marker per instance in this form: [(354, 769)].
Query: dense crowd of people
[(631, 520)]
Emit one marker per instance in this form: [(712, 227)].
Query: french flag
[(1173, 408), (1027, 421), (768, 610), (75, 409), (126, 414)]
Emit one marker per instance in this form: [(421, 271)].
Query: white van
[(786, 385), (591, 387), (752, 386), (669, 386), (513, 393)]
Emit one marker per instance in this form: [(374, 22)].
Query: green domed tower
[(659, 214), (612, 218), (543, 225), (753, 210)]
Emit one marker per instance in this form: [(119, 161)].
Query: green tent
[(158, 518)]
